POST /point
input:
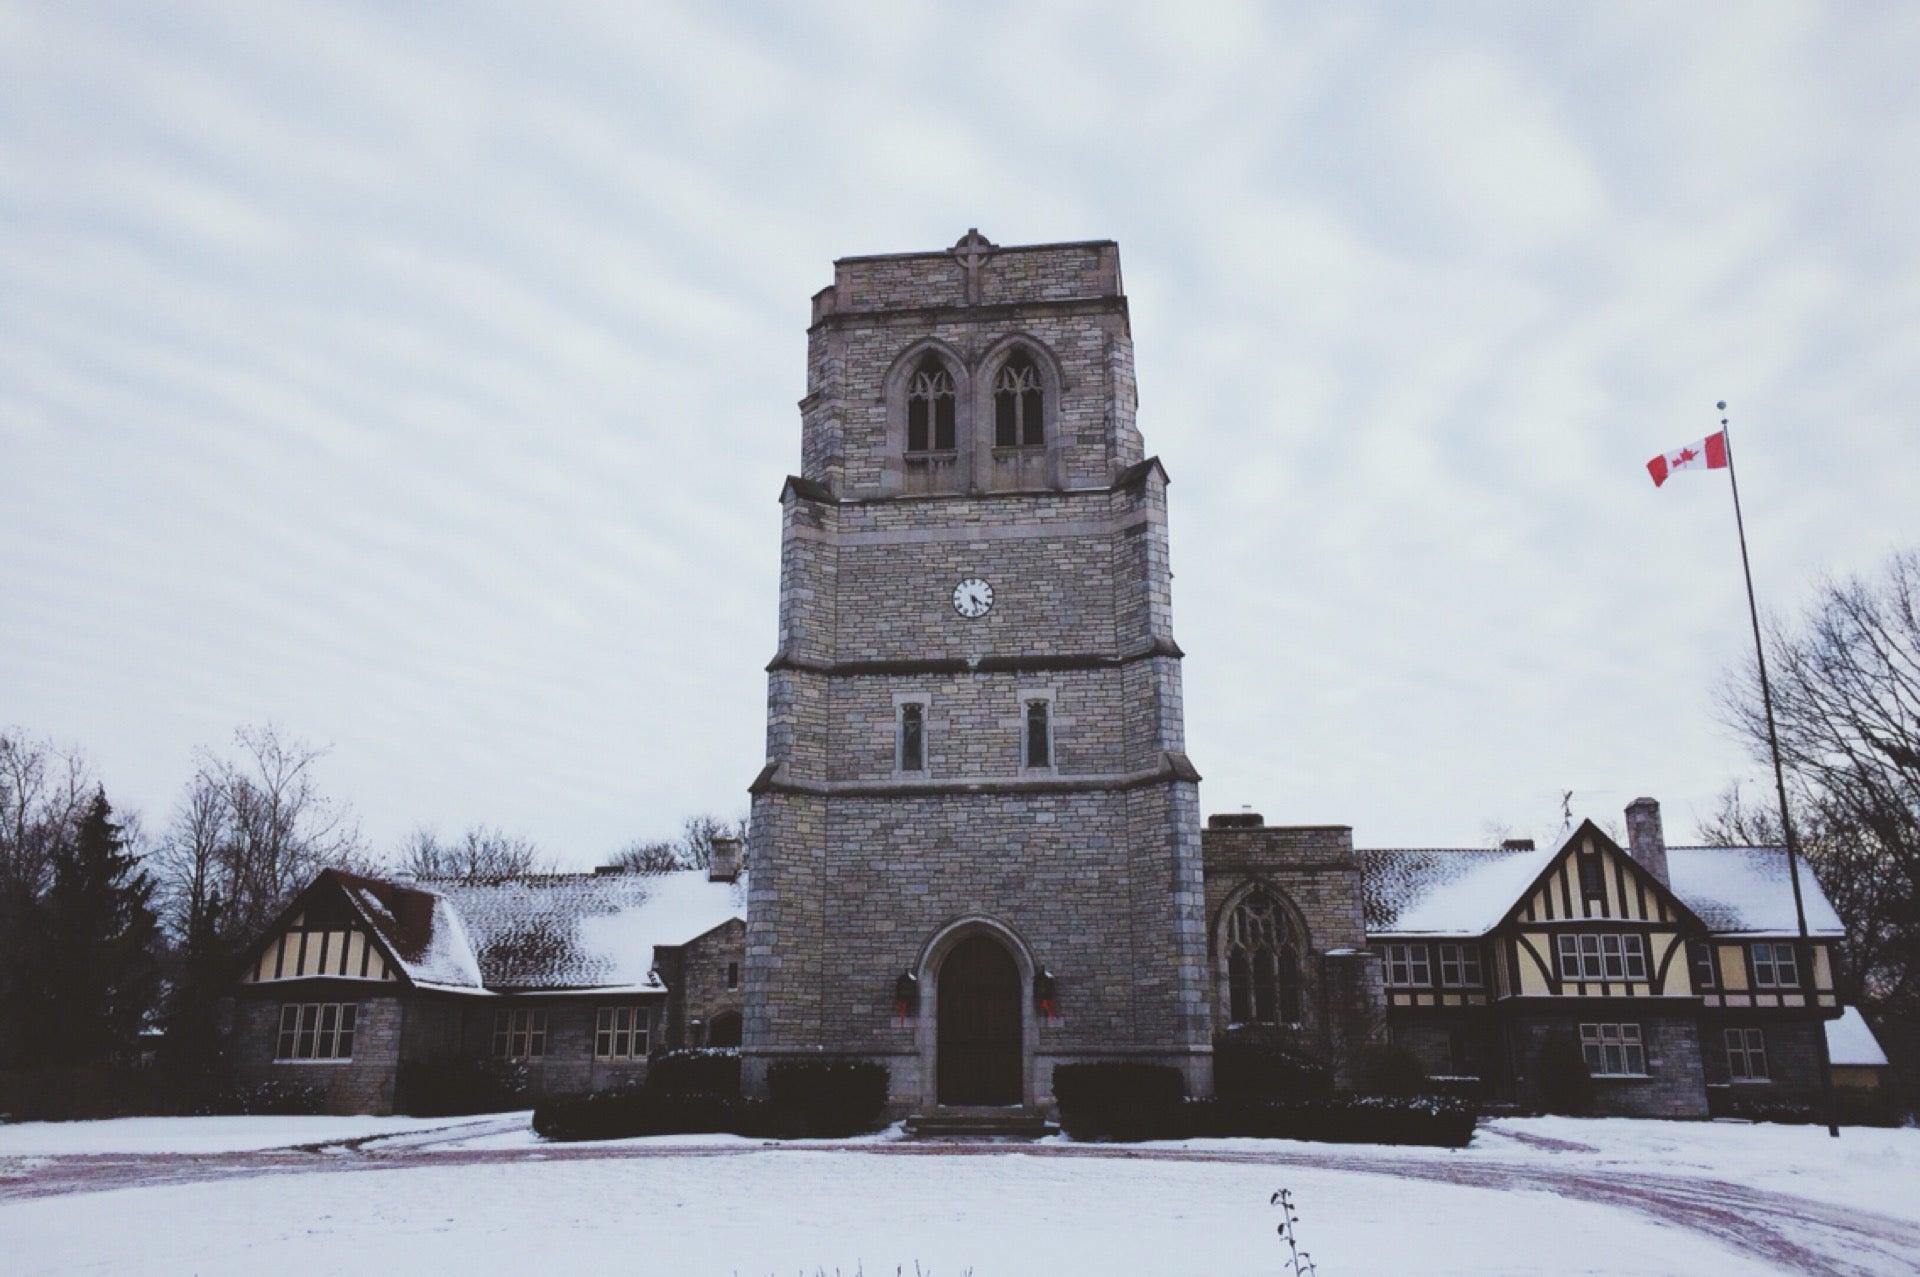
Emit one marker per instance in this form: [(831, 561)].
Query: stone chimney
[(725, 865), (1645, 840)]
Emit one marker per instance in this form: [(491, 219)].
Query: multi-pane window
[(912, 743), (1602, 956), (1460, 965), (1613, 1050), (1017, 421), (1700, 963), (620, 1033), (930, 402), (1774, 966), (1407, 964), (1263, 975), (519, 1034), (1747, 1055), (316, 1031), (1039, 734)]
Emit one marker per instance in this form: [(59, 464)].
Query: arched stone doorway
[(979, 1059)]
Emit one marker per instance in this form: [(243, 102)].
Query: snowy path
[(1483, 1210)]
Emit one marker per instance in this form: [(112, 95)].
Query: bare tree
[(693, 849), (479, 855), (657, 856), (250, 831), (1846, 691), (44, 791)]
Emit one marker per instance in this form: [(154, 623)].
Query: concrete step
[(989, 1124)]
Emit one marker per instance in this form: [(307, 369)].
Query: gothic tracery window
[(930, 411), (1017, 420), (1263, 971)]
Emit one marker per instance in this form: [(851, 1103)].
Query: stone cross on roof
[(972, 251)]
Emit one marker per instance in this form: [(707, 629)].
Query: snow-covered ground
[(203, 1134), (485, 1196)]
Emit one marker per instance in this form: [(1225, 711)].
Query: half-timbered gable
[(553, 974)]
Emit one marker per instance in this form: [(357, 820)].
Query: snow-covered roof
[(1466, 891), (543, 931), (1453, 891), (1850, 1042), (1746, 889)]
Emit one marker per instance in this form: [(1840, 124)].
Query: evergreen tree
[(192, 1051), (96, 973)]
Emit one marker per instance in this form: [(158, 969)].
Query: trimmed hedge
[(695, 1071), (623, 1114), (827, 1099), (1125, 1101), (820, 1099), (452, 1085), (1119, 1100), (1246, 1068), (1392, 1070), (1436, 1121), (1850, 1110)]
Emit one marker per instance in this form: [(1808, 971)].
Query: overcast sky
[(421, 378)]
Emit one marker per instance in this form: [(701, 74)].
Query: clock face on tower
[(972, 598)]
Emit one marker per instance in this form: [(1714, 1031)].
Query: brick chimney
[(1646, 842), (725, 865)]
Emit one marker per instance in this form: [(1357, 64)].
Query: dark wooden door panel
[(979, 1025)]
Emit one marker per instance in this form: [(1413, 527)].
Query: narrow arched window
[(1017, 400), (930, 407), (1263, 972)]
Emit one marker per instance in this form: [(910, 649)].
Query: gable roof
[(1460, 891), (586, 931), (1747, 890), (534, 932), (1468, 891)]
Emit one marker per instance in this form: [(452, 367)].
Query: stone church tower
[(975, 847)]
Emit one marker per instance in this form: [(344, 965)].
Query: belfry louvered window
[(1263, 972), (1017, 405), (930, 407)]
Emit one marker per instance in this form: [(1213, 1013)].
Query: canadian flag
[(1709, 453)]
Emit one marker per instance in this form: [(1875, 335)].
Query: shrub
[(1392, 1070), (274, 1098), (1347, 1119), (1247, 1068), (695, 1070), (448, 1085), (1849, 1110), (623, 1114), (1565, 1084), (828, 1098), (1120, 1100)]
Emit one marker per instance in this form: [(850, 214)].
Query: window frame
[(937, 399), (1587, 957), (622, 1033), (1464, 958), (1626, 1039), (316, 1032), (733, 977), (1703, 964), (1414, 956), (922, 705), (519, 1033), (1018, 381), (1774, 966), (1042, 697), (1746, 1044)]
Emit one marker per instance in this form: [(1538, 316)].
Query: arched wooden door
[(979, 1025), (724, 1029)]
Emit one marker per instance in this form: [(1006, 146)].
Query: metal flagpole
[(1804, 957)]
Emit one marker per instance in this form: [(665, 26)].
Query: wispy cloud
[(423, 381)]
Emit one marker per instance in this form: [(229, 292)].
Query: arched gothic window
[(1263, 972), (930, 407), (1017, 421)]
